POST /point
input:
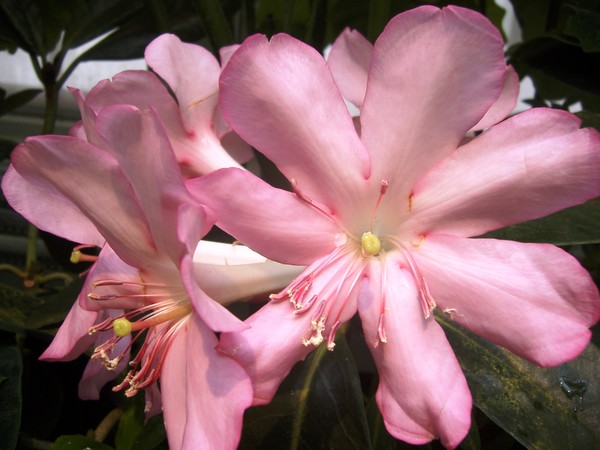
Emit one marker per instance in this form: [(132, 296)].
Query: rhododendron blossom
[(145, 286), (384, 216), (201, 140)]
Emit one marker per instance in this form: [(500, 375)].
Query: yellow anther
[(122, 327), (371, 245), (75, 256)]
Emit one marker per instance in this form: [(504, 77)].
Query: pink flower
[(201, 140), (349, 61), (384, 217), (136, 208)]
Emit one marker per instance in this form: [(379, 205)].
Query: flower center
[(370, 244), (159, 315)]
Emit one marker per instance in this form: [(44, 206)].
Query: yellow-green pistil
[(371, 245)]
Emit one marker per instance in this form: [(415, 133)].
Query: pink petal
[(434, 74), (192, 72), (422, 391), (214, 315), (304, 126), (24, 196), (139, 88), (156, 180), (225, 53), (349, 59), (270, 347), (67, 167), (199, 150), (204, 393), (271, 221), (534, 299), (72, 338), (505, 104), (528, 166)]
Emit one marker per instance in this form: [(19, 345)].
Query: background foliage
[(327, 401)]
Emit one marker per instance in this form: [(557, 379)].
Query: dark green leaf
[(534, 17), (379, 14), (576, 225), (532, 404), (76, 442), (16, 100), (560, 71), (215, 24), (589, 119), (133, 434), (319, 406), (21, 311), (585, 26), (26, 25), (10, 395)]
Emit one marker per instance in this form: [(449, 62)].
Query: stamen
[(157, 319), (77, 256), (110, 282), (382, 189), (317, 326), (427, 301), (381, 330), (331, 338), (318, 207)]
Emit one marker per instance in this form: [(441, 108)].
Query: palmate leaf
[(553, 408), (319, 405)]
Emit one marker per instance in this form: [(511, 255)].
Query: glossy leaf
[(533, 404), (576, 225), (10, 395), (319, 405)]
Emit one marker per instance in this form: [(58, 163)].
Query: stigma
[(370, 244)]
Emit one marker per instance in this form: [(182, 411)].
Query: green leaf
[(21, 311), (133, 434), (77, 442), (26, 24), (319, 405), (576, 225), (16, 100), (533, 404), (585, 26), (559, 71), (216, 25), (11, 367)]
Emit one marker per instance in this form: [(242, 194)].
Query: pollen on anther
[(371, 245), (75, 256), (122, 327)]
